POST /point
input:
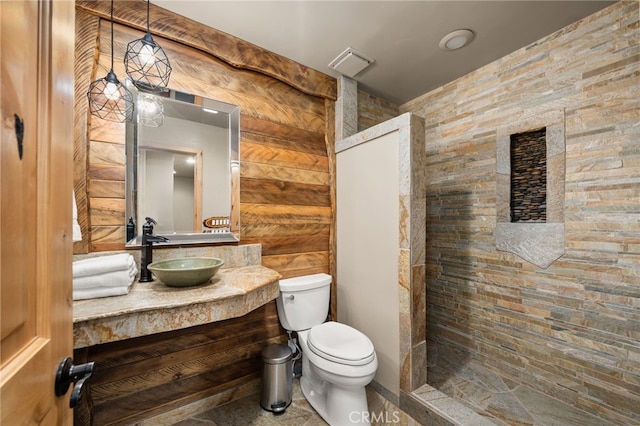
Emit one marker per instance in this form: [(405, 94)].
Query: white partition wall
[(367, 189), (380, 247)]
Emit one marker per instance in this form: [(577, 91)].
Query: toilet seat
[(340, 343)]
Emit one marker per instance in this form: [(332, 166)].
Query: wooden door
[(36, 82)]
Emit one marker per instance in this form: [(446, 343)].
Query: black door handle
[(68, 373)]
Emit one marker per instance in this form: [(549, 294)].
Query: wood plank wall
[(287, 199), (285, 178)]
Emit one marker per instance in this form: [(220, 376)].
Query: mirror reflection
[(183, 168)]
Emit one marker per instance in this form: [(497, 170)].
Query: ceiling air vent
[(350, 62)]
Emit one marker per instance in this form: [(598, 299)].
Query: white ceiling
[(402, 36)]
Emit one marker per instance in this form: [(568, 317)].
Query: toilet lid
[(340, 343)]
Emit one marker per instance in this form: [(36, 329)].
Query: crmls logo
[(382, 417)]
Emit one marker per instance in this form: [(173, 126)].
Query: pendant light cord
[(148, 16), (111, 35)]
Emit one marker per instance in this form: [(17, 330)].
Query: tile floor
[(247, 411), (496, 398)]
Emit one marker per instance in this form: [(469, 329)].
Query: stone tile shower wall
[(374, 110), (571, 330)]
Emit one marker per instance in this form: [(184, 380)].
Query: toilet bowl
[(338, 361)]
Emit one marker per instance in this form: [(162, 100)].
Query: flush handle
[(291, 297), (68, 373)]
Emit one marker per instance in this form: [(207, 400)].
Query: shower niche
[(530, 179)]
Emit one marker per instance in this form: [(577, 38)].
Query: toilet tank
[(303, 301)]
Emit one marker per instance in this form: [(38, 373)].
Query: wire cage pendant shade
[(146, 63), (108, 98)]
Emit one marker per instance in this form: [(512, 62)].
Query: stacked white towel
[(77, 232), (103, 276)]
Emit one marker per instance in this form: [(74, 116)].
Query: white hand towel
[(77, 232), (102, 264), (93, 293), (107, 279)]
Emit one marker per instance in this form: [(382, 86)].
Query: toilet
[(338, 361)]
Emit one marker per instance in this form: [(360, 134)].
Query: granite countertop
[(154, 307)]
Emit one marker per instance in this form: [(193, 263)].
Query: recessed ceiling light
[(456, 39)]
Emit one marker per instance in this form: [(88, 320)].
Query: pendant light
[(150, 110), (108, 98), (146, 63)]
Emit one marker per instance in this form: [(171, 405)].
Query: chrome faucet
[(146, 257)]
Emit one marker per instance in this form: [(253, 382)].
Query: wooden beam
[(234, 51)]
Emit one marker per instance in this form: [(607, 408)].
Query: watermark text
[(380, 417)]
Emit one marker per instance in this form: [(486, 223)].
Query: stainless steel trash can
[(277, 376)]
